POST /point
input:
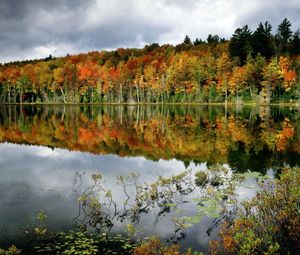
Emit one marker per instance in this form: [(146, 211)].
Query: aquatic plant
[(12, 250)]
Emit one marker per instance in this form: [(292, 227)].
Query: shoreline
[(280, 104)]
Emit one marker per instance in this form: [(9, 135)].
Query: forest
[(259, 67)]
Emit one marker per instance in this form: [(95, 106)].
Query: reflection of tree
[(242, 160), (91, 212), (207, 191), (99, 210), (190, 134)]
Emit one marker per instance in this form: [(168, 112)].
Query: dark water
[(43, 148)]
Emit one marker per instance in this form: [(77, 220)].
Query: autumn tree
[(183, 76), (88, 75), (238, 80), (58, 81), (224, 65), (271, 78), (9, 81), (188, 72), (286, 73), (254, 73)]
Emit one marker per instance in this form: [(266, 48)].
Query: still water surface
[(43, 149)]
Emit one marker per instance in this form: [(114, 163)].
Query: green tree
[(295, 43), (187, 40), (198, 41), (262, 40), (212, 39), (240, 43), (283, 36)]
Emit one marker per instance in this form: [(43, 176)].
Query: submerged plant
[(210, 192), (69, 243), (81, 242), (12, 250)]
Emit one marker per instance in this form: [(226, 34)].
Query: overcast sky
[(36, 28)]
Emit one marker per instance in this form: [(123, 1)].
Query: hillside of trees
[(253, 66)]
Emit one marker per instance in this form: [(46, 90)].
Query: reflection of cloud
[(48, 173), (173, 164), (247, 189), (35, 178), (45, 152)]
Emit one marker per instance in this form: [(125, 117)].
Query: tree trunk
[(100, 91), (137, 93), (163, 88), (92, 95), (4, 95), (9, 94), (63, 95), (226, 95), (21, 95), (15, 94), (120, 93)]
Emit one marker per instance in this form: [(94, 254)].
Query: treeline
[(257, 66)]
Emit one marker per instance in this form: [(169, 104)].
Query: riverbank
[(231, 104)]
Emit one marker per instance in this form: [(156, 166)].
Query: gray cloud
[(272, 11), (37, 28)]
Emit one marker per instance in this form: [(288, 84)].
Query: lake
[(53, 157)]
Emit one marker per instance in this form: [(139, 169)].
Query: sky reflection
[(37, 178)]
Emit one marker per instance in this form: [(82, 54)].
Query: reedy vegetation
[(269, 223), (252, 66)]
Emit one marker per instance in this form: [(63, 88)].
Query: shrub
[(154, 246), (267, 224)]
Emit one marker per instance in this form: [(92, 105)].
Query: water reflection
[(246, 138), (37, 178), (42, 148)]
